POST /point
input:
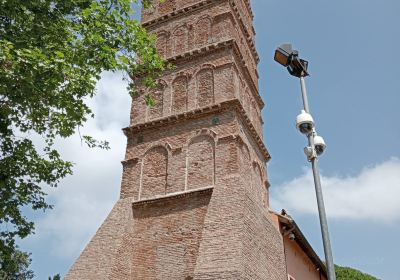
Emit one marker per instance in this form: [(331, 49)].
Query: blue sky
[(354, 95)]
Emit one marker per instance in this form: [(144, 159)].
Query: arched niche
[(221, 26), (154, 176), (130, 179), (202, 32), (157, 94), (180, 39), (247, 102), (138, 107), (254, 115), (244, 154), (245, 161), (227, 156), (162, 43), (259, 186), (201, 162), (258, 174), (179, 94), (205, 86)]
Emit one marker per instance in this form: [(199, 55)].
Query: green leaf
[(149, 101), (59, 54), (51, 57)]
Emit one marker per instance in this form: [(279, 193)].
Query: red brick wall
[(167, 236), (155, 170), (194, 171)]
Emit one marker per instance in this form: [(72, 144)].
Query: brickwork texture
[(194, 192)]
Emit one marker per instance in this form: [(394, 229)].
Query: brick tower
[(194, 193)]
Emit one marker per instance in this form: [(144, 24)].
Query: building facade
[(302, 263), (194, 194)]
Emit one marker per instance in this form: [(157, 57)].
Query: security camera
[(292, 236), (304, 123), (319, 144)]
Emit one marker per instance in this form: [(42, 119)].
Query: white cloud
[(83, 200), (373, 194)]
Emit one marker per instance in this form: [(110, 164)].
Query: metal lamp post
[(297, 67)]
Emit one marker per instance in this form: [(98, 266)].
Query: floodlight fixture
[(283, 54), (289, 58), (298, 67)]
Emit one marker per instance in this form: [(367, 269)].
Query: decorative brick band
[(178, 12), (217, 46), (246, 32), (201, 5), (196, 113), (249, 7), (172, 196)]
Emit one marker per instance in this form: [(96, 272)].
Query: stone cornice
[(216, 46), (178, 12), (130, 161), (202, 5), (249, 7), (172, 196), (249, 40), (197, 113)]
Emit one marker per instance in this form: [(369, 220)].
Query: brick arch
[(138, 107), (220, 26), (162, 43), (236, 83), (247, 102), (258, 185), (180, 94), (245, 160), (253, 112), (180, 39), (241, 88), (158, 96), (205, 86), (131, 169), (154, 173), (201, 162), (254, 116), (258, 173), (244, 152), (202, 31)]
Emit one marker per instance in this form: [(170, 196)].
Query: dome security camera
[(292, 236), (319, 144), (304, 122)]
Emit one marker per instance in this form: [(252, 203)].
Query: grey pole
[(318, 192)]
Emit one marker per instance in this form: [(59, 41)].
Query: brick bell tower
[(194, 194)]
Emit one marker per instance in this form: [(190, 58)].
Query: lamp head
[(289, 58), (298, 67), (283, 54)]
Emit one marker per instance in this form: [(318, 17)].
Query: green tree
[(15, 266), (347, 273), (55, 277), (52, 53)]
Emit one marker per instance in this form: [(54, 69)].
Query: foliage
[(52, 53), (347, 273), (55, 277), (14, 265)]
